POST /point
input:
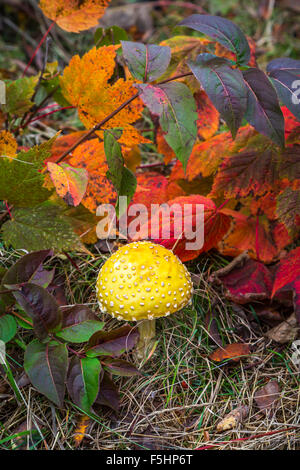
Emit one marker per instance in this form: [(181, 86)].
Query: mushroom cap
[(143, 280)]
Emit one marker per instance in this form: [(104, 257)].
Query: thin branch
[(98, 126), (38, 47)]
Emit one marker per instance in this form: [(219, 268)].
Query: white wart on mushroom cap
[(143, 280)]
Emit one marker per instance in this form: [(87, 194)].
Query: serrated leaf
[(223, 31), (21, 182), (146, 62), (18, 96), (40, 227), (46, 366), (74, 16), (112, 343), (41, 307), (83, 381), (79, 323), (287, 209), (176, 108), (8, 328), (288, 88), (70, 183), (224, 86), (263, 110)]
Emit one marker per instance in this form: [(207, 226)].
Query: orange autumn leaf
[(62, 144), (208, 116), (234, 351), (70, 183), (151, 189), (85, 84), (263, 240), (8, 144), (74, 15), (91, 156)]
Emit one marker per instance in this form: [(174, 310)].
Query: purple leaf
[(146, 62), (224, 86), (24, 270), (120, 367), (288, 89), (263, 110), (108, 394), (223, 31), (113, 343), (284, 63), (40, 306), (176, 108), (46, 366), (83, 381)]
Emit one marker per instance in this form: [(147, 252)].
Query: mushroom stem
[(146, 340)]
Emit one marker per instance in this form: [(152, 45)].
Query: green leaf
[(108, 36), (224, 86), (40, 227), (41, 307), (83, 381), (46, 366), (223, 31), (146, 62), (175, 105), (8, 328), (21, 182), (18, 96), (79, 323), (121, 177)]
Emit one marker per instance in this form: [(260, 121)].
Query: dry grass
[(181, 395)]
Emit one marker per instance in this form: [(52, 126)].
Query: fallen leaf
[(81, 429), (245, 280), (286, 331), (234, 352), (8, 144), (267, 397), (233, 419)]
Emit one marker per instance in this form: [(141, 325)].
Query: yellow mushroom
[(142, 281)]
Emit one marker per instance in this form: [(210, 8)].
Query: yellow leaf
[(85, 84), (8, 144)]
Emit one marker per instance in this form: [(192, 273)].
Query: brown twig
[(98, 126)]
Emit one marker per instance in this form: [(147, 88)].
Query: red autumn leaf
[(70, 183), (262, 239), (287, 278), (182, 220), (291, 123), (234, 351), (258, 168), (245, 280), (151, 189)]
